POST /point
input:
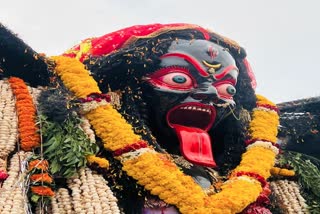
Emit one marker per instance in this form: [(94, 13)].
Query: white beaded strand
[(8, 120)]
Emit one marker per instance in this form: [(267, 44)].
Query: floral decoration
[(277, 171), (101, 162), (42, 191), (8, 126), (40, 180), (157, 173), (28, 130)]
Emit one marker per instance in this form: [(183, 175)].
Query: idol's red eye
[(173, 78), (177, 80), (226, 90)]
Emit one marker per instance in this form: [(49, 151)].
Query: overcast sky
[(282, 37)]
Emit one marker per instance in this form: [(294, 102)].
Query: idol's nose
[(204, 92)]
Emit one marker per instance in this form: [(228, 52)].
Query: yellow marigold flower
[(264, 126), (102, 162), (276, 171), (107, 118), (258, 160), (75, 76), (261, 100)]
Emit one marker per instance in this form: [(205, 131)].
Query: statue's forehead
[(205, 56), (201, 50)]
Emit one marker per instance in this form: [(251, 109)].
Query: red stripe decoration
[(189, 59), (133, 147), (271, 107), (95, 97), (253, 175)]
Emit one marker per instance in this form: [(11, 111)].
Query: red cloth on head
[(108, 43)]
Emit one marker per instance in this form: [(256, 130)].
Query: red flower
[(3, 175), (256, 209)]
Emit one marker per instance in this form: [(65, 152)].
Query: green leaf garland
[(65, 145)]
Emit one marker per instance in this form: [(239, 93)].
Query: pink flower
[(3, 175)]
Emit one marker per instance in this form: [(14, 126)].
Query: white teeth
[(194, 108)]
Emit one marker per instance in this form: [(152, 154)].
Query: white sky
[(282, 37)]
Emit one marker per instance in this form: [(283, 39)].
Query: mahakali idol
[(159, 118)]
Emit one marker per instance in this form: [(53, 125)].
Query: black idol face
[(193, 86)]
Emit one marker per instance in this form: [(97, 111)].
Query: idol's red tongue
[(195, 145)]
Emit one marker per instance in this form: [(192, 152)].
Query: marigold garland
[(42, 177), (276, 171), (38, 164), (102, 162), (260, 127), (75, 77), (159, 175), (41, 181), (29, 138), (107, 118), (42, 190), (258, 160)]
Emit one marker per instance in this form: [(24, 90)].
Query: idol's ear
[(19, 60)]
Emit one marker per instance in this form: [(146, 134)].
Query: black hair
[(19, 60)]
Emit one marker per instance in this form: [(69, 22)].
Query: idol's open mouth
[(191, 122), (196, 115)]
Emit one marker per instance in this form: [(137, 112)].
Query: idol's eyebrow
[(189, 59), (226, 71)]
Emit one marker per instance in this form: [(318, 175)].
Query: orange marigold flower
[(42, 177), (42, 190), (38, 164), (29, 137)]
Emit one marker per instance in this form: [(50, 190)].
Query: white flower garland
[(62, 202), (134, 154), (35, 93), (109, 201), (8, 120), (265, 144), (12, 194), (86, 127), (288, 194), (88, 106), (91, 194)]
